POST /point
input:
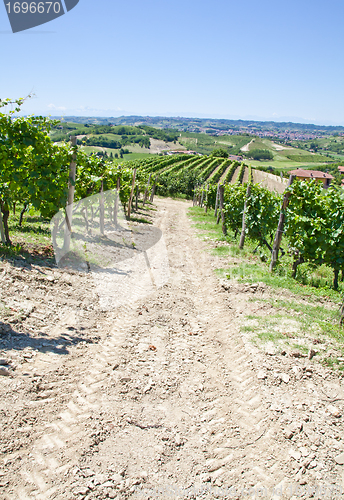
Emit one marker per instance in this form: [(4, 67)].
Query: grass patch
[(222, 251), (304, 314), (334, 363), (31, 241), (141, 220), (269, 336)]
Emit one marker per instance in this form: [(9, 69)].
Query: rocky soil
[(163, 399)]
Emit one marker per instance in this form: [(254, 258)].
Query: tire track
[(178, 383)]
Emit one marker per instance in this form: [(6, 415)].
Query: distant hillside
[(123, 141), (211, 124)]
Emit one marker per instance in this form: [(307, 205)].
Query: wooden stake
[(137, 196), (279, 232), (70, 199), (243, 229), (101, 210), (131, 194), (115, 211), (2, 232), (216, 201), (153, 192), (221, 195), (146, 192), (206, 199)]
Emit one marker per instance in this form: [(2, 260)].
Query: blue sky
[(224, 59)]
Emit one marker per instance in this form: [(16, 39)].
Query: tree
[(219, 152), (33, 169), (260, 154)]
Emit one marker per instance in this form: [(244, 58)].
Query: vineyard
[(111, 315), (40, 175)]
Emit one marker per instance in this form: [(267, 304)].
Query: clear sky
[(249, 59)]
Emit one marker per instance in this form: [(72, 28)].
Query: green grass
[(259, 271), (221, 251), (32, 241), (204, 143), (255, 266), (303, 314), (286, 159), (283, 164), (126, 157)]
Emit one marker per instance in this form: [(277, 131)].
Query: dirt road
[(165, 399)]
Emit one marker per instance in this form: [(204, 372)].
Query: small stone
[(261, 375), (4, 362), (313, 464), (4, 372), (296, 426), (304, 451), (305, 463), (296, 455), (121, 486), (298, 372), (107, 484), (333, 410), (285, 377), (116, 478), (311, 353), (88, 473), (340, 459), (81, 491), (288, 433), (178, 441)]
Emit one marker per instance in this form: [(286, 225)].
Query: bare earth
[(247, 146), (165, 399), (157, 146)]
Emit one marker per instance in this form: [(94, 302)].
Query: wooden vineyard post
[(146, 191), (131, 193), (194, 197), (85, 214), (70, 199), (221, 195), (115, 212), (202, 195), (137, 196), (101, 210), (2, 233), (153, 192), (243, 229), (217, 200), (206, 199), (279, 232)]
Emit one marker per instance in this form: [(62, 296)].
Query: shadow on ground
[(11, 339)]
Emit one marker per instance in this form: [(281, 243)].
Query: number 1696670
[(33, 7)]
